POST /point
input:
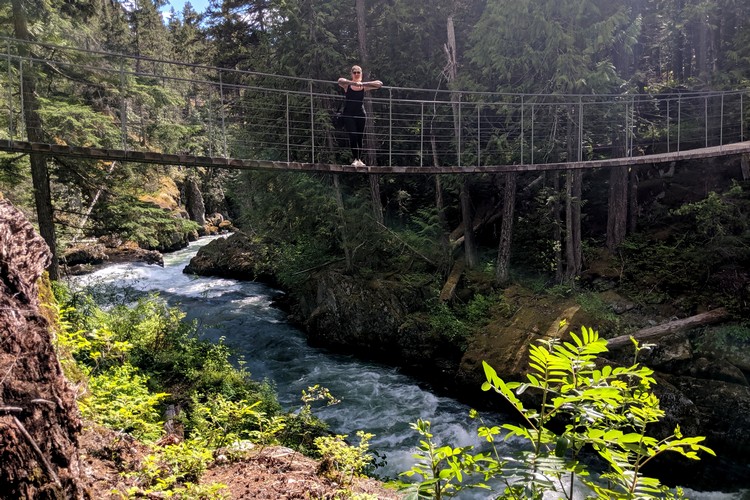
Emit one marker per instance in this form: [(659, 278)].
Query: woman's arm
[(373, 85), (343, 83)]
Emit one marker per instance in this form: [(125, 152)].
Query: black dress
[(354, 120)]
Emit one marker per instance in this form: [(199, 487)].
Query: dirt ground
[(273, 473)]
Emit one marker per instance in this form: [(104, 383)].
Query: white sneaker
[(360, 163), (355, 164)]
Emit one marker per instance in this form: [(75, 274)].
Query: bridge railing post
[(421, 134), (705, 120), (123, 109), (21, 109), (721, 122), (288, 132), (479, 134), (679, 120), (223, 120), (531, 145), (312, 124), (669, 119), (458, 132), (390, 127), (580, 128), (10, 91), (521, 135)]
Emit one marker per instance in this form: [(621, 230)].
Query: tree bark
[(470, 247), (617, 209), (745, 165), (655, 332), (34, 133), (341, 213), (557, 226), (470, 250), (502, 271), (633, 201), (440, 206), (569, 250), (39, 423), (577, 202)]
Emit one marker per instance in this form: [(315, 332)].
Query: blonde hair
[(355, 67)]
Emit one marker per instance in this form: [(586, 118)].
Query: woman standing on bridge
[(354, 111)]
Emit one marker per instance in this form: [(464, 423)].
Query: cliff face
[(39, 423)]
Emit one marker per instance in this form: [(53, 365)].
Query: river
[(375, 398)]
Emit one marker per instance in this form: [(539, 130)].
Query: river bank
[(386, 320)]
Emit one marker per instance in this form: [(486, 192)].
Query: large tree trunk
[(39, 172), (557, 226), (340, 209), (39, 421), (573, 257), (617, 209), (470, 247), (440, 206), (745, 166), (470, 250), (377, 204), (506, 229), (633, 201)]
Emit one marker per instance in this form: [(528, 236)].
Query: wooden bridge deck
[(242, 164)]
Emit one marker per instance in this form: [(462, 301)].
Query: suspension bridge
[(147, 110)]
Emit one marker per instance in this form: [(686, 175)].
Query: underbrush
[(142, 371)]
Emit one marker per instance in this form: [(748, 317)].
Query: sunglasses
[(356, 72)]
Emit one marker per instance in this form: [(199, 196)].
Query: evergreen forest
[(639, 273)]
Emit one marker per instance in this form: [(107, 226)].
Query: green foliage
[(445, 323), (303, 428), (478, 309), (221, 423), (704, 237), (607, 409), (717, 215), (144, 223), (342, 462), (600, 311), (120, 399), (736, 333), (174, 470), (441, 469)]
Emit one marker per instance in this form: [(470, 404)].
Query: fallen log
[(655, 332), (449, 289)]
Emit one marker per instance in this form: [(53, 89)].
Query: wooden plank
[(653, 333), (249, 164)]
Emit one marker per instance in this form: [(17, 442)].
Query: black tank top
[(354, 104)]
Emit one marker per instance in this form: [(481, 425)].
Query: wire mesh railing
[(99, 99)]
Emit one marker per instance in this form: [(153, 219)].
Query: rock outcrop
[(39, 423), (235, 256)]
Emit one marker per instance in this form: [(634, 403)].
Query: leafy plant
[(342, 462), (120, 399), (219, 422), (606, 409), (174, 470), (441, 469)]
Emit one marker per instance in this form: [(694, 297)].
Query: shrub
[(606, 409)]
